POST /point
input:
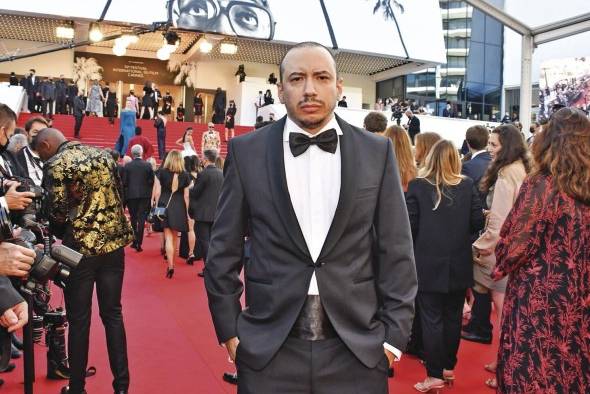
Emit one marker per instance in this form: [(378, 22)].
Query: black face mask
[(5, 145)]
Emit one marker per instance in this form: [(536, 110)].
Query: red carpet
[(172, 346), (98, 131)]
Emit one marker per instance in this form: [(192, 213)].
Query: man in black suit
[(203, 201), (331, 277), (71, 93), (138, 182), (413, 126), (61, 90), (79, 109), (27, 158), (32, 86), (342, 103), (479, 327)]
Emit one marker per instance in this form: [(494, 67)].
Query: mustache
[(310, 100)]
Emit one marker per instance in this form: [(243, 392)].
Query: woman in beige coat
[(508, 169)]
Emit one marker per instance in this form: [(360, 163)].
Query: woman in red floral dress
[(545, 252)]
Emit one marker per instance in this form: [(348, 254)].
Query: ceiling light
[(205, 46), (228, 48), (130, 38), (163, 53), (119, 50), (64, 32), (95, 34)]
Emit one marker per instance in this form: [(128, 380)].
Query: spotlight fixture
[(205, 46), (228, 48), (163, 53), (119, 50), (65, 32), (94, 34), (130, 38)]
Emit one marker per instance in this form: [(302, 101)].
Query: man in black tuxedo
[(203, 201), (138, 182), (79, 110), (479, 327), (331, 276), (71, 93), (413, 125), (28, 159), (61, 92), (33, 87)]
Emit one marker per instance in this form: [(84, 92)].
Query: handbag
[(157, 214)]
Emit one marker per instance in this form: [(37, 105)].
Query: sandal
[(434, 386), (449, 377), (492, 383), (490, 368)]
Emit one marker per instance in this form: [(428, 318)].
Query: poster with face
[(409, 29)]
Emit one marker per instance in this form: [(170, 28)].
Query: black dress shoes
[(17, 342), (14, 352), (201, 274), (66, 390), (9, 368), (473, 337), (231, 378)]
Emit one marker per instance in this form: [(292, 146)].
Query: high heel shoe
[(191, 260), (434, 387), (449, 377), (169, 273)]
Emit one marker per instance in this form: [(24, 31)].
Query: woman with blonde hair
[(402, 148), (445, 211), (424, 142), (173, 195)]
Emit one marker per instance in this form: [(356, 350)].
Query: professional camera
[(55, 338), (36, 208), (397, 113)]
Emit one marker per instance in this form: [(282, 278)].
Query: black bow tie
[(326, 141)]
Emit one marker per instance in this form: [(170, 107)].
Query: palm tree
[(86, 69), (187, 72), (389, 13)]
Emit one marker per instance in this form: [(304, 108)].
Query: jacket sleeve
[(501, 205), (224, 262), (413, 208), (395, 274), (9, 297)]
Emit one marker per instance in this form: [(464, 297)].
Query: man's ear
[(280, 92)]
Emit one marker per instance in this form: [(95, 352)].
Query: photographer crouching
[(85, 210)]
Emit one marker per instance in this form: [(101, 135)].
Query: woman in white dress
[(187, 143)]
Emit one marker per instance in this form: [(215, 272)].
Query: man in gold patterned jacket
[(85, 210)]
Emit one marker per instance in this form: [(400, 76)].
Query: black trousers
[(107, 272), (60, 105), (139, 209), (48, 107), (203, 234), (480, 314), (318, 367), (441, 315), (78, 125)]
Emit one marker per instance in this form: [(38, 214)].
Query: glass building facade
[(471, 79)]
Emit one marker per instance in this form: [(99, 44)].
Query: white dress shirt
[(477, 153), (34, 167), (313, 180)]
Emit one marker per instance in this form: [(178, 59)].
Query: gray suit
[(365, 272)]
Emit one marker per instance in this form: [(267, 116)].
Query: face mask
[(5, 145)]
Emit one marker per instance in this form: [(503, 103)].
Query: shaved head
[(47, 142)]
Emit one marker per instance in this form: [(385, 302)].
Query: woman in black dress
[(174, 182), (198, 106), (147, 100), (230, 118), (268, 100), (111, 104)]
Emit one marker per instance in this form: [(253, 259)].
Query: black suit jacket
[(414, 125), (205, 193), (9, 297), (365, 271), (475, 169), (442, 238), (138, 179)]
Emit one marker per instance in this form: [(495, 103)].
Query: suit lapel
[(278, 185), (348, 186)]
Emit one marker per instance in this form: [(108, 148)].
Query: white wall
[(541, 13), (48, 65)]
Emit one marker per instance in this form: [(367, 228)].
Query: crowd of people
[(424, 240)]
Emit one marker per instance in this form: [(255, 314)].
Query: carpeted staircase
[(98, 132)]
